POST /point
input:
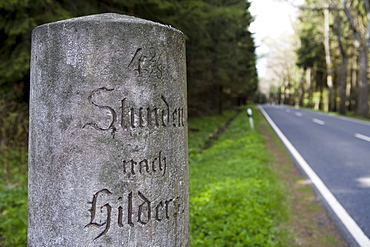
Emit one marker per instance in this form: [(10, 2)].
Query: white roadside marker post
[(251, 123)]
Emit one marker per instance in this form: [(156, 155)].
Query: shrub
[(13, 196), (13, 217)]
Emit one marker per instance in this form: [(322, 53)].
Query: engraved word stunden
[(160, 116)]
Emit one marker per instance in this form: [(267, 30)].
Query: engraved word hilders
[(141, 212), (163, 115)]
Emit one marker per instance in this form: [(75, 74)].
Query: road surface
[(336, 151)]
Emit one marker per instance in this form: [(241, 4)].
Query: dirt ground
[(309, 223)]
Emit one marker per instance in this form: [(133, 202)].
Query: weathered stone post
[(108, 159)]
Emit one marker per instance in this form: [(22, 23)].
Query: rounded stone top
[(110, 17)]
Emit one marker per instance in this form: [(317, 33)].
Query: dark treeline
[(220, 50)]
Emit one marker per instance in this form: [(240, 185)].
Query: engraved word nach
[(155, 165)]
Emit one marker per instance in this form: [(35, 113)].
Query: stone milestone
[(108, 159)]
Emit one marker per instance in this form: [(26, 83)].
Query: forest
[(220, 50), (327, 65)]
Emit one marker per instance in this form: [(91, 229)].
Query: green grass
[(13, 197), (235, 198), (205, 127)]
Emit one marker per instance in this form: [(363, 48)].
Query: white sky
[(273, 19)]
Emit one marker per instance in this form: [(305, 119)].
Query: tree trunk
[(310, 87), (363, 94), (342, 83), (343, 68), (301, 89), (362, 46), (353, 90), (329, 65), (321, 100), (220, 100)]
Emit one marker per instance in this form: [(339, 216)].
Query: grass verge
[(235, 197)]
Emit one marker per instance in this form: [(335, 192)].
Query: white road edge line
[(318, 121), (363, 137), (337, 208)]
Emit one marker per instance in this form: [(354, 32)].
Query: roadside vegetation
[(13, 173), (235, 197)]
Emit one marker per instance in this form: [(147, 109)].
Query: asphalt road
[(338, 151)]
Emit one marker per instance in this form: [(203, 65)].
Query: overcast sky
[(273, 18)]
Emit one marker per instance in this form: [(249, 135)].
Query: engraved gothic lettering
[(139, 206), (123, 125), (120, 214), (112, 112), (158, 164), (163, 115), (144, 208), (142, 163), (93, 211), (136, 61), (157, 217), (147, 63), (174, 115), (129, 211)]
